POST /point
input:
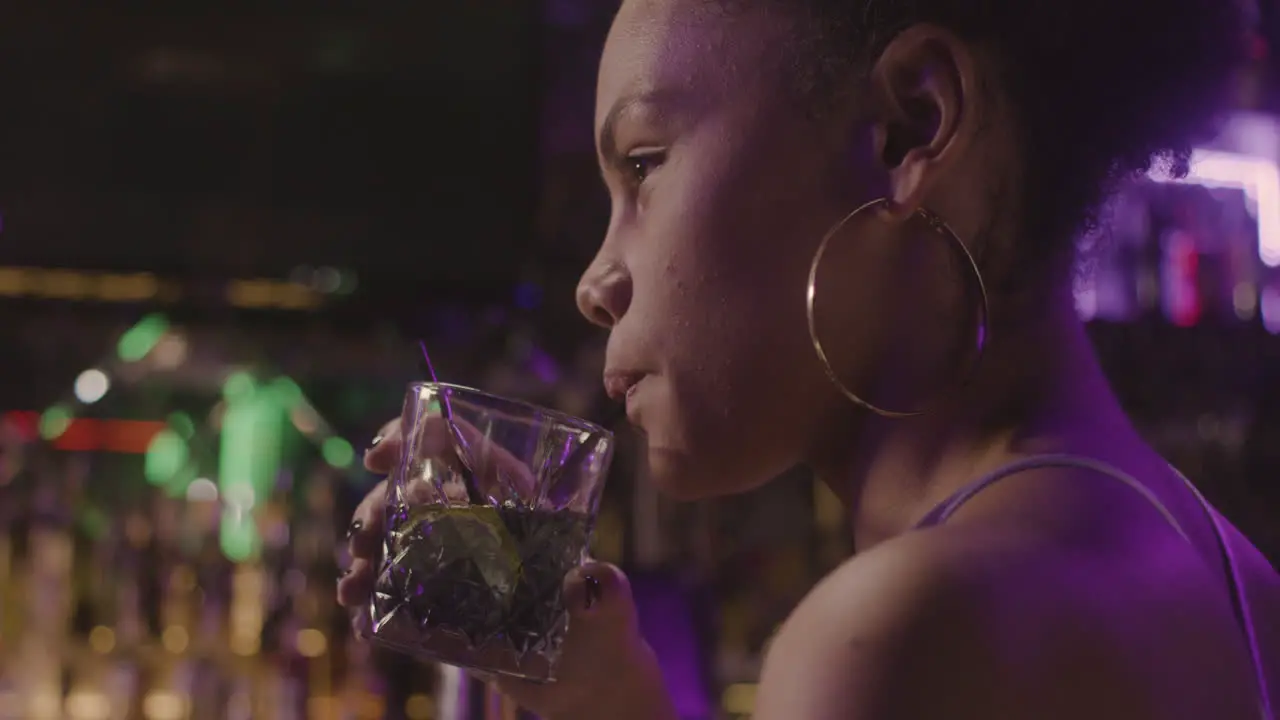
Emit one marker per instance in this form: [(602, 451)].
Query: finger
[(602, 619), (364, 534), (435, 440), (491, 464), (384, 451), (598, 595), (356, 584)]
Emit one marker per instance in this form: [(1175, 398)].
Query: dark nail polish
[(375, 442), (344, 573), (355, 527), (593, 591)]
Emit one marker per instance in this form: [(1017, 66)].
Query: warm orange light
[(91, 435), (136, 287)]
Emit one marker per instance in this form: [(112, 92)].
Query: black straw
[(615, 415)]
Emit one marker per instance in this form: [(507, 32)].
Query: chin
[(684, 477)]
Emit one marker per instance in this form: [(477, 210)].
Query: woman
[(842, 237)]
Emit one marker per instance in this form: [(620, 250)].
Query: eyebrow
[(607, 140)]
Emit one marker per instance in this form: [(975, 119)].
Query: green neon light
[(183, 425), (142, 338), (238, 386), (250, 455), (287, 391), (338, 452), (238, 536), (167, 455), (54, 422)]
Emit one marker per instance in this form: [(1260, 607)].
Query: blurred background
[(223, 230)]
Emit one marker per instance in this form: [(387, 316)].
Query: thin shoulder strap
[(1235, 583), (1239, 602), (947, 508)]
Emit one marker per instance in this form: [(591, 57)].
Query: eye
[(641, 163)]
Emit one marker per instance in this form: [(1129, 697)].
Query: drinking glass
[(493, 502)]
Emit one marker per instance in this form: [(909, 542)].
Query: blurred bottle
[(314, 532), (1179, 273), (240, 703), (129, 679), (11, 507), (130, 620), (1254, 82), (460, 697), (292, 643), (363, 692), (1119, 284), (12, 453), (176, 686), (44, 645), (210, 688), (246, 616)]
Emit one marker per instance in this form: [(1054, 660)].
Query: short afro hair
[(1102, 90)]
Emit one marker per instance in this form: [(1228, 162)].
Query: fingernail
[(355, 527), (593, 591), (374, 442)]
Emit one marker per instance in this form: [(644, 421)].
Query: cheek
[(738, 379), (719, 264), (723, 261), (728, 297)]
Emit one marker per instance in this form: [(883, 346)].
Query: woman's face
[(722, 187)]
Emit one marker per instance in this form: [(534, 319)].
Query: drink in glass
[(493, 502)]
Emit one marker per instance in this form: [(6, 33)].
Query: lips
[(619, 383)]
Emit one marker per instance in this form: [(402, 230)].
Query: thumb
[(598, 594)]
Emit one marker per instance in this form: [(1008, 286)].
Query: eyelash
[(638, 166)]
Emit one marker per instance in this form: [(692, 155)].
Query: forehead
[(689, 48)]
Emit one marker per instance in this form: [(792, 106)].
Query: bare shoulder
[(969, 622), (858, 642)]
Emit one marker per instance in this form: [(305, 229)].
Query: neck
[(1039, 391)]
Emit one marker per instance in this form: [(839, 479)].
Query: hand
[(605, 668)]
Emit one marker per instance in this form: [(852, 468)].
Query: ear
[(924, 89)]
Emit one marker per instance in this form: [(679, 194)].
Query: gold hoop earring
[(935, 224)]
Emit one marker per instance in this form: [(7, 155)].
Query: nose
[(604, 293)]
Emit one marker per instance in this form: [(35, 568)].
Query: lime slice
[(478, 534)]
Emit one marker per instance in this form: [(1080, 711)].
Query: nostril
[(600, 316), (604, 295), (591, 307)]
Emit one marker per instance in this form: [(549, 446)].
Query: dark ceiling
[(217, 137), (204, 138)]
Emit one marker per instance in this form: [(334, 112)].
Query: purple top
[(944, 510)]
